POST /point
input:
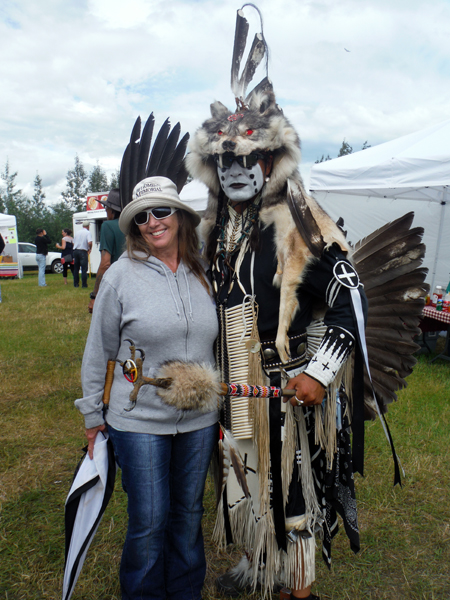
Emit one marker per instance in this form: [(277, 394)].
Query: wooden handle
[(109, 377), (289, 393)]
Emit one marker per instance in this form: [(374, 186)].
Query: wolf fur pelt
[(194, 386), (263, 126)]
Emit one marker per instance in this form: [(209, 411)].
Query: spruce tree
[(75, 193), (345, 149), (9, 197), (114, 180), (38, 196), (98, 181)]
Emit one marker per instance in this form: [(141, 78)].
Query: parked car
[(27, 257)]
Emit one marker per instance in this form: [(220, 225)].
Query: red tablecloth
[(438, 315)]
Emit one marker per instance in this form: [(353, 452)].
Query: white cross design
[(351, 276)]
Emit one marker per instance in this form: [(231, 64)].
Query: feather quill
[(388, 335), (254, 59), (183, 174), (377, 238), (388, 262), (400, 363), (305, 222), (124, 178), (401, 250), (134, 156), (158, 149), (169, 150), (403, 347), (224, 469), (396, 309), (258, 50), (176, 164), (166, 157), (235, 458), (383, 275), (240, 41), (265, 85), (144, 147), (411, 285)]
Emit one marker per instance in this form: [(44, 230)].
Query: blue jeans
[(80, 260), (164, 478), (41, 260)]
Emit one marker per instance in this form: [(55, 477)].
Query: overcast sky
[(75, 74)]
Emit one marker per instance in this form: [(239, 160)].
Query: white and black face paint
[(239, 183)]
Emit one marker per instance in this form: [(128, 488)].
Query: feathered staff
[(188, 385)]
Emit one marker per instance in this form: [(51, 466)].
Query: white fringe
[(296, 567)]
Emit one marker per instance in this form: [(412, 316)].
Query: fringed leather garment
[(289, 457)]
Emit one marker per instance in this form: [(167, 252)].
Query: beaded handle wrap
[(244, 390)]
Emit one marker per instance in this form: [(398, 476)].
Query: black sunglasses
[(160, 212), (224, 161)]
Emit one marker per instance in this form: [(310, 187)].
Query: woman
[(66, 248), (157, 296)]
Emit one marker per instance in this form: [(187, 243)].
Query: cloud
[(76, 75)]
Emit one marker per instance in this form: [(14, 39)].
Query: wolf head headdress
[(258, 124)]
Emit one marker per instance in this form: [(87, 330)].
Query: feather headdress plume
[(166, 159), (257, 52)]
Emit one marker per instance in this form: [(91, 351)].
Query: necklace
[(235, 230)]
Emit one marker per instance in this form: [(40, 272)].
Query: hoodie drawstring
[(191, 316), (169, 278)]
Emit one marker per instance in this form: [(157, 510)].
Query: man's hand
[(307, 389), (91, 306), (91, 434)]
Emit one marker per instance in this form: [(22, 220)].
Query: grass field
[(405, 532)]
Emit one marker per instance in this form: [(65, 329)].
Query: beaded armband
[(334, 350)]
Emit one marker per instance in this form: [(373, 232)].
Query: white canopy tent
[(195, 195), (377, 185)]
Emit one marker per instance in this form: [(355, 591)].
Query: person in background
[(82, 248), (157, 295), (112, 241), (2, 247), (66, 248), (41, 242)]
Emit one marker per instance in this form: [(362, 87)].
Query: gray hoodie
[(171, 317)]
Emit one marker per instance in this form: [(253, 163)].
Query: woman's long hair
[(188, 246)]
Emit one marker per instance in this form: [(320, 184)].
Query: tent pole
[(439, 237)]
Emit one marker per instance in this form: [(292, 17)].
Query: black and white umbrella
[(86, 502)]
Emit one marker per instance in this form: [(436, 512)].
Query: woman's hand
[(308, 391), (91, 434)]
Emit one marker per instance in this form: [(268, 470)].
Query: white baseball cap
[(153, 192)]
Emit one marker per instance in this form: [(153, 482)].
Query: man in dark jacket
[(41, 241), (112, 241)]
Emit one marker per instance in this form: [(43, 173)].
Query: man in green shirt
[(112, 240)]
